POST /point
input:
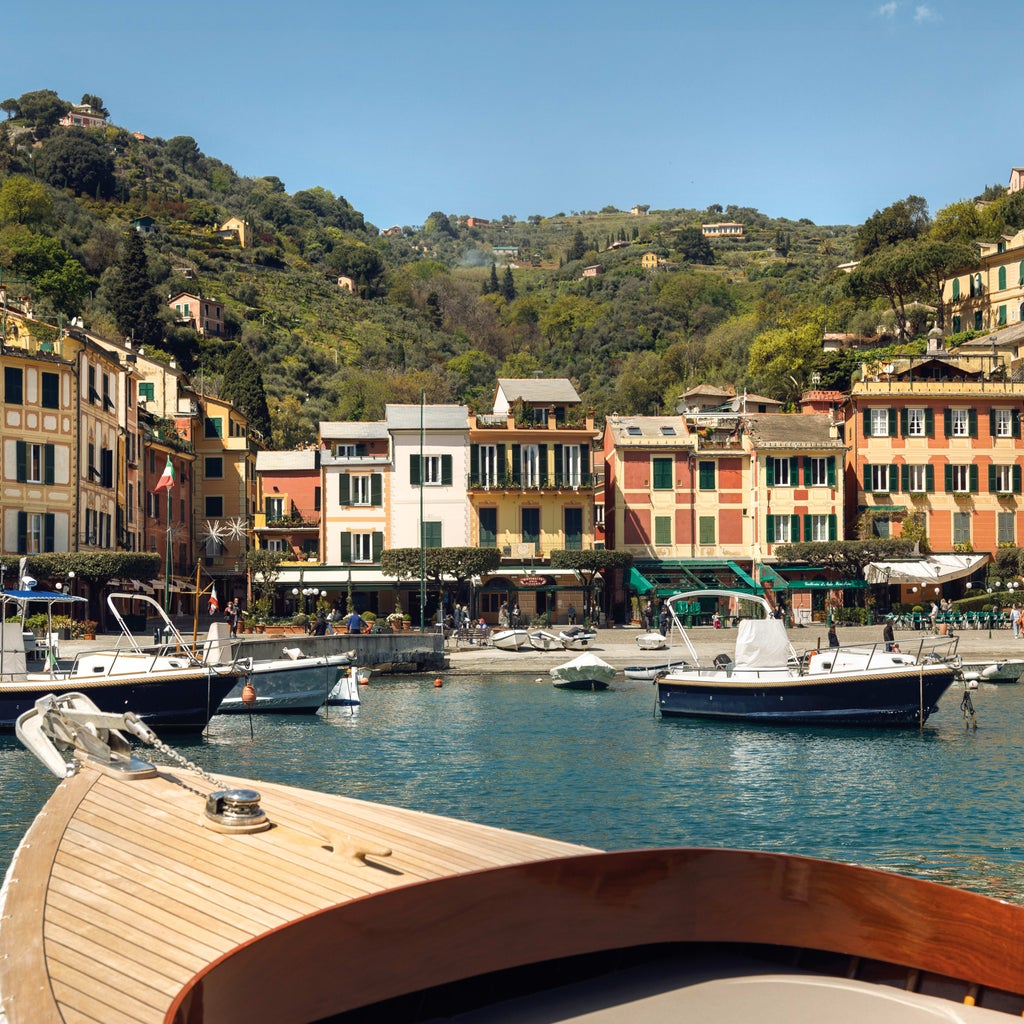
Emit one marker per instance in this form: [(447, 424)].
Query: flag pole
[(167, 560)]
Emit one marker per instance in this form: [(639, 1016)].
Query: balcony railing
[(559, 482)]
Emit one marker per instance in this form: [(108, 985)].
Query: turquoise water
[(602, 769)]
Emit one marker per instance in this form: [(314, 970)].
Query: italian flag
[(214, 606), (166, 482)]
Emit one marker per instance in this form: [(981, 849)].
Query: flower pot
[(88, 636)]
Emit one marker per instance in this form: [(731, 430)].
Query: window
[(274, 508), (781, 530), (778, 473), (958, 479), (572, 465), (531, 525), (360, 490), (488, 520), (432, 470), (345, 451), (1002, 277), (956, 288), (431, 535), (1004, 527), (661, 474), (879, 424), (50, 397), (213, 426), (918, 479), (819, 528), (879, 478), (214, 467), (275, 544), (1005, 423), (94, 395), (979, 323), (1004, 479), (108, 402), (1002, 315), (706, 530), (957, 325), (820, 472), (915, 423), (147, 390), (362, 547), (214, 547), (599, 515), (663, 530), (34, 532), (14, 385), (706, 476), (529, 472), (574, 529), (958, 423), (490, 468), (961, 527), (34, 463), (214, 506)]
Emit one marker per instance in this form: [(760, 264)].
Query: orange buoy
[(437, 681), (248, 694)]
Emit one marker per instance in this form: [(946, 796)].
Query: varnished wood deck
[(119, 895)]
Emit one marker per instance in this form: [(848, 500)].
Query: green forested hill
[(435, 309)]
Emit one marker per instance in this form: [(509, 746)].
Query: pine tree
[(132, 299), (243, 388), (493, 286), (508, 286), (578, 247)]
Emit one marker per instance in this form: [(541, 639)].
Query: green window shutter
[(929, 423), (446, 470), (1016, 478), (904, 420), (867, 477), (414, 470), (867, 422), (769, 472), (360, 450), (807, 527), (663, 530), (560, 479), (1002, 277), (948, 478), (992, 479), (147, 390), (377, 489), (517, 468), (49, 524), (502, 467), (929, 478), (794, 471), (972, 473), (1015, 423), (807, 470), (346, 547), (956, 325), (48, 463), (23, 531), (956, 288), (972, 422), (474, 464), (21, 465), (706, 530), (661, 474), (893, 479), (488, 519), (794, 528), (376, 544), (892, 422), (833, 526), (542, 455), (343, 489), (585, 462), (830, 470), (947, 422), (991, 423), (905, 478), (770, 528), (707, 476)]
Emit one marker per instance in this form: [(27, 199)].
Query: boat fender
[(248, 694)]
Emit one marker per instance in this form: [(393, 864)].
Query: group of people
[(509, 617)]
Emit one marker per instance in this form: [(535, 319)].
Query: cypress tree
[(508, 285), (243, 388), (493, 286), (132, 299)]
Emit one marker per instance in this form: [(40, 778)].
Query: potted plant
[(85, 629)]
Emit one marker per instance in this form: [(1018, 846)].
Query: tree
[(291, 427), (264, 569), (587, 565), (936, 261), (183, 151), (95, 103), (439, 223), (243, 388), (578, 247), (10, 108), (895, 272), (77, 160), (444, 567), (43, 108), (900, 222), (130, 294), (781, 358), (693, 246), (508, 286), (23, 201), (846, 559)]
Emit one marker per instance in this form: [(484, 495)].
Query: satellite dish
[(889, 367)]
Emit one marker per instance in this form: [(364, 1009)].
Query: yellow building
[(990, 293)]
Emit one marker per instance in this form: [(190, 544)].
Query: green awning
[(639, 583)]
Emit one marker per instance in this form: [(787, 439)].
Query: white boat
[(764, 680), (648, 673), (585, 672), (577, 638), (346, 691), (514, 639), (542, 640), (165, 895), (1008, 671), (652, 641)]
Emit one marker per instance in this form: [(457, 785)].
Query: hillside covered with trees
[(441, 308)]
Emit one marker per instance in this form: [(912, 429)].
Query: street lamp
[(988, 590)]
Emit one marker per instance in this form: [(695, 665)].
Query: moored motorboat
[(346, 691), (577, 638), (585, 672), (542, 640), (1006, 671), (766, 681), (170, 689), (514, 639), (652, 641), (295, 684), (648, 673), (152, 894)]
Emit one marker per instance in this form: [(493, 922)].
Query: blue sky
[(805, 108)]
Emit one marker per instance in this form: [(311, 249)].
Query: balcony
[(295, 521), (584, 482)]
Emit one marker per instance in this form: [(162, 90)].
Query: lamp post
[(295, 600), (988, 590)]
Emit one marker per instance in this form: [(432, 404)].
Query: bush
[(301, 619)]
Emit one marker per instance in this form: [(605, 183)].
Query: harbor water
[(602, 769)]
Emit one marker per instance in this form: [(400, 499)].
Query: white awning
[(931, 569)]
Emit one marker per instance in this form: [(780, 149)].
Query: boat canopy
[(52, 596), (931, 569)]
